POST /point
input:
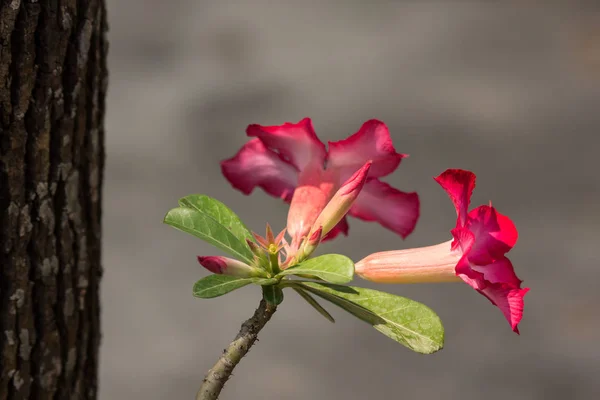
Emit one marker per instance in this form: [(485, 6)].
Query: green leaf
[(273, 294), (219, 212), (203, 225), (333, 268), (310, 300), (406, 321), (218, 285)]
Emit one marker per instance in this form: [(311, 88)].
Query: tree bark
[(53, 80)]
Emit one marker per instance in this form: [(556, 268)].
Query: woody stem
[(219, 374)]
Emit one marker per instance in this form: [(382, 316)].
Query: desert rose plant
[(323, 186)]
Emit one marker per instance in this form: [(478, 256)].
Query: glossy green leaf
[(203, 225), (218, 285), (273, 294), (406, 321), (219, 212), (333, 268), (311, 300)]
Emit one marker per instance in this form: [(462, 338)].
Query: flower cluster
[(324, 185)]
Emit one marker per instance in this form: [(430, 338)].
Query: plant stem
[(219, 374)]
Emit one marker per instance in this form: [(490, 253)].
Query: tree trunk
[(53, 81)]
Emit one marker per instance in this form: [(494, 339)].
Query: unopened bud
[(341, 201), (254, 247), (228, 266), (308, 246)]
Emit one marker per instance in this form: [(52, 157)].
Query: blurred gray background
[(510, 90)]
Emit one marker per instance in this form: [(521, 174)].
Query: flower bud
[(341, 201), (228, 266), (309, 245)]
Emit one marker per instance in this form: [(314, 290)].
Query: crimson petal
[(371, 142), (255, 165), (459, 185), (393, 209), (500, 271), (495, 234), (297, 143), (509, 300)]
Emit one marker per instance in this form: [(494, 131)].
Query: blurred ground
[(510, 91)]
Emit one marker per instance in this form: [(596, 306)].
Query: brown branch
[(219, 374)]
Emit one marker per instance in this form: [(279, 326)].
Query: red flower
[(476, 255), (289, 161)]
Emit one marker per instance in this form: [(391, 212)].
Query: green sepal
[(311, 300)]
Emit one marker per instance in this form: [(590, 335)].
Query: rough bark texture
[(53, 81)]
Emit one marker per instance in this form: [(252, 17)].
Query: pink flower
[(476, 255), (289, 161)]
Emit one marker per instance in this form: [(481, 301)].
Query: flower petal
[(297, 143), (371, 142), (500, 271), (341, 228), (463, 240), (393, 209), (459, 185), (495, 234), (255, 165), (509, 300)]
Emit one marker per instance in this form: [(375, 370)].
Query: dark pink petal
[(459, 185), (500, 271), (469, 275), (463, 240), (371, 142), (255, 165), (495, 234), (341, 228), (297, 143), (509, 300), (395, 210)]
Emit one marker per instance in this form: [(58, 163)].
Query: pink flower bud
[(309, 245), (341, 201), (228, 266)]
